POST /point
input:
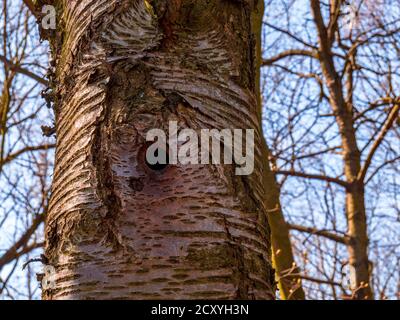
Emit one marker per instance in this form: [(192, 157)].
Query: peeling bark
[(117, 229)]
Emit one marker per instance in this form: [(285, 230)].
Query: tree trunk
[(358, 246), (355, 197), (116, 228), (287, 274)]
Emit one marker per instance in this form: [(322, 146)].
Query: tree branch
[(32, 8), (314, 177), (290, 35), (289, 53), (16, 154), (391, 161), (19, 69), (323, 233), (12, 252), (385, 129), (316, 280)]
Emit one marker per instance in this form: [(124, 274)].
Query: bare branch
[(32, 8), (316, 280), (314, 177), (16, 154), (12, 253), (386, 127), (21, 70), (323, 233), (289, 53)]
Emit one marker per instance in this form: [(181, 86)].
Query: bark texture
[(117, 229)]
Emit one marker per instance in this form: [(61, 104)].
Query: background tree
[(332, 83), (24, 158)]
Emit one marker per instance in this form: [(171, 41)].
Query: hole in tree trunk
[(158, 165)]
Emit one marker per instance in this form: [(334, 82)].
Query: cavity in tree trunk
[(117, 229)]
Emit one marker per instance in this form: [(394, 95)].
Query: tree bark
[(117, 229)]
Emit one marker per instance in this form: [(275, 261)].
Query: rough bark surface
[(115, 228)]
